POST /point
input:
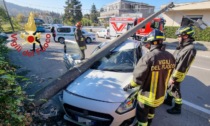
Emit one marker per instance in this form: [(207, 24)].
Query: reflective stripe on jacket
[(152, 74), (184, 58)]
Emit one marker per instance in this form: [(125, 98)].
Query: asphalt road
[(44, 67)]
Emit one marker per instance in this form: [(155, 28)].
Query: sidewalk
[(203, 48)]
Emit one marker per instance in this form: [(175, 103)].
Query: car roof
[(69, 26), (126, 45)]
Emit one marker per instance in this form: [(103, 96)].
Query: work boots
[(149, 122), (175, 110), (168, 100)]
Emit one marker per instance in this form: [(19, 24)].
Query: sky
[(58, 5)]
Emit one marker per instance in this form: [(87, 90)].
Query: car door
[(70, 33), (72, 53)]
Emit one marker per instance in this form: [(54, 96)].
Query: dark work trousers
[(54, 37), (174, 91), (83, 54), (34, 45), (144, 113)]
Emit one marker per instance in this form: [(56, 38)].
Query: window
[(117, 61), (187, 22), (65, 30)]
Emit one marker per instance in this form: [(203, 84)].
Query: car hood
[(101, 85)]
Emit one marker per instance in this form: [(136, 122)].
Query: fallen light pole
[(60, 83)]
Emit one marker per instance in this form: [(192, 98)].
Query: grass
[(8, 28)]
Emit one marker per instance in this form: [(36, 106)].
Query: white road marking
[(196, 107), (204, 56), (201, 68)]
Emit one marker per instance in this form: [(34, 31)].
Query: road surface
[(44, 67)]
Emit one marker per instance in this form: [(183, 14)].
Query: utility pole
[(8, 15)]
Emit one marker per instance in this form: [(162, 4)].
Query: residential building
[(193, 10), (126, 8)]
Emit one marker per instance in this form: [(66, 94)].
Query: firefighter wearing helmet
[(151, 74), (184, 55), (80, 39)]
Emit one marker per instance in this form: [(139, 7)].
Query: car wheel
[(61, 40), (88, 40)]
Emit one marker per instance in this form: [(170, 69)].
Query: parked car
[(67, 33), (40, 28), (103, 33), (96, 98), (3, 36), (89, 36), (47, 27)]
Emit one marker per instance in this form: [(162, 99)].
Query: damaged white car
[(96, 98)]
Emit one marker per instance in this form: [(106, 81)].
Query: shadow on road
[(40, 69), (195, 92), (198, 45), (94, 43)]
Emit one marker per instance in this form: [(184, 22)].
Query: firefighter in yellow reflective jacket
[(80, 39), (151, 73), (184, 55)]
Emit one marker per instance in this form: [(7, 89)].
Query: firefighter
[(145, 43), (184, 55), (80, 39), (151, 75)]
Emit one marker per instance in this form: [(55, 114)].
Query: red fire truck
[(119, 25)]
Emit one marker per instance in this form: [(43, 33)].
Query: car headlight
[(129, 104)]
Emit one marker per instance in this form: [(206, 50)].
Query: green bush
[(11, 95), (200, 35)]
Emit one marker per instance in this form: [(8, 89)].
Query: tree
[(3, 14), (86, 21), (3, 17), (55, 17), (20, 18), (73, 12), (86, 16), (102, 10), (94, 14), (36, 15)]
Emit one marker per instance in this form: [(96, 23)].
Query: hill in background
[(14, 10)]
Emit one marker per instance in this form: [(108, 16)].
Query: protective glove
[(127, 87)]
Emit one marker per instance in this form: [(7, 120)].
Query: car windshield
[(117, 61)]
